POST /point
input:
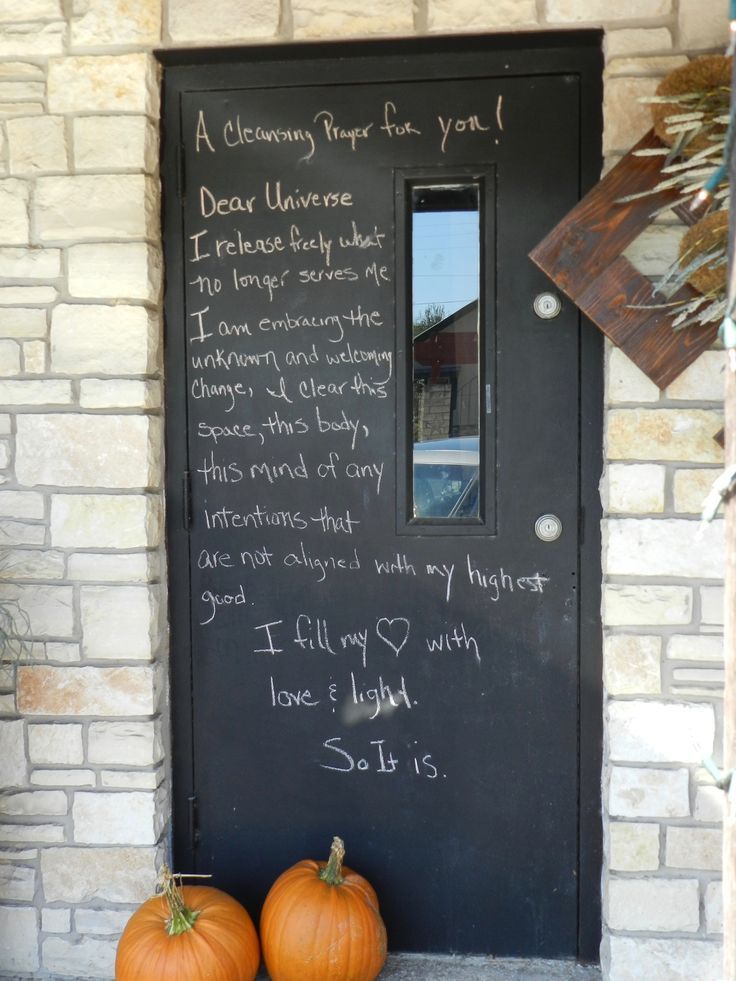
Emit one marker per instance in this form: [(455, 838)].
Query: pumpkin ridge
[(214, 954), (158, 965), (217, 935), (360, 934), (349, 952), (283, 920), (320, 935)]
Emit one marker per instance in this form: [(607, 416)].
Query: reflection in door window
[(445, 288)]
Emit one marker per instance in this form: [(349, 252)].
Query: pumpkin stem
[(332, 872), (182, 918)]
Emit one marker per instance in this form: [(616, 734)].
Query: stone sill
[(426, 967), (423, 967)]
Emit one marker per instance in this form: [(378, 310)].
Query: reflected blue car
[(446, 478)]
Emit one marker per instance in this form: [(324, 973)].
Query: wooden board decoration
[(583, 256)]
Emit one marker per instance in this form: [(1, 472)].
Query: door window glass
[(445, 300)]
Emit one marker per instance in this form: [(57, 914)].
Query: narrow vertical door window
[(446, 364)]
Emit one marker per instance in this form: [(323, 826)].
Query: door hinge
[(193, 820), (186, 499)]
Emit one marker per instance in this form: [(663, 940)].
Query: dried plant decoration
[(691, 115), (690, 104), (701, 249)]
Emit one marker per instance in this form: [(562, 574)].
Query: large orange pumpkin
[(320, 922), (188, 933)]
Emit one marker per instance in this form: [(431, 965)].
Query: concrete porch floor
[(418, 967), (422, 967)]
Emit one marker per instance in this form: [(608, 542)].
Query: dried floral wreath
[(691, 113)]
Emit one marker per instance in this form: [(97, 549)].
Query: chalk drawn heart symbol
[(394, 632)]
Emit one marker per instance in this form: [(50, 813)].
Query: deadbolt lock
[(548, 527), (547, 306)]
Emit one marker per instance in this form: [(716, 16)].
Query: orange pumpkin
[(188, 933), (320, 922)]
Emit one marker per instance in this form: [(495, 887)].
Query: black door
[(370, 637)]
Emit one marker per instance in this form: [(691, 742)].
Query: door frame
[(434, 57)]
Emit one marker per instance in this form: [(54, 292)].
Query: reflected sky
[(446, 257)]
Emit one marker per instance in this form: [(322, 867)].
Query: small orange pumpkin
[(188, 933), (320, 922)]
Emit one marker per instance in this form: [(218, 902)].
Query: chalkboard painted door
[(349, 658)]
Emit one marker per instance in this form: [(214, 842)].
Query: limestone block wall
[(84, 789), (663, 653)]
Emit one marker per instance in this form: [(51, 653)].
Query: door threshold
[(427, 967)]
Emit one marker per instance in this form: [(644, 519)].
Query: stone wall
[(83, 717), (663, 666)]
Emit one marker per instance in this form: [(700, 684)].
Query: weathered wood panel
[(583, 256)]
